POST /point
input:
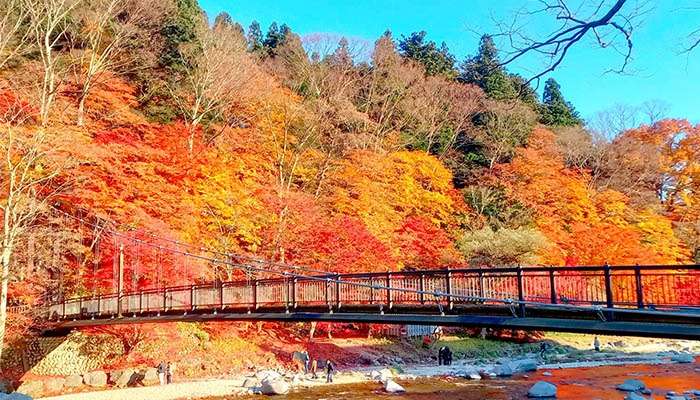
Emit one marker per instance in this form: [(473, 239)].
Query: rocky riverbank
[(392, 364)]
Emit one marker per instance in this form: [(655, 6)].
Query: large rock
[(503, 370), (95, 379), (526, 366), (274, 386), (74, 381), (634, 396), (472, 374), (631, 385), (250, 383), (54, 385), (122, 379), (268, 374), (683, 358), (542, 389), (14, 396), (150, 377), (31, 388), (392, 387)]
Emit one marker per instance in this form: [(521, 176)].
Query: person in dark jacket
[(162, 370), (330, 369)]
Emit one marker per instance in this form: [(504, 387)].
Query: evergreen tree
[(484, 70), (255, 38), (555, 110), (437, 61), (275, 37), (180, 29)]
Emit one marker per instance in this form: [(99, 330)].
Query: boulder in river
[(392, 387), (95, 379), (471, 374), (631, 385), (634, 396), (683, 358), (274, 386), (268, 374), (542, 389), (503, 370), (527, 366)]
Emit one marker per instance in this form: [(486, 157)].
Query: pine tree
[(485, 71), (178, 30), (276, 36), (255, 39), (341, 56), (555, 110), (437, 61)]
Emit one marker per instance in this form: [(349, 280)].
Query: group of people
[(307, 365), (166, 372), (444, 356)]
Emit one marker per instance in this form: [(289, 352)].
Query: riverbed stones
[(634, 396), (683, 358), (542, 389), (5, 386), (546, 373), (95, 379), (274, 387), (73, 381), (631, 385), (392, 387)]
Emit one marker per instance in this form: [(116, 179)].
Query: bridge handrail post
[(255, 294), (80, 307), (99, 304), (521, 291), (422, 288), (639, 287), (337, 290), (192, 298), (328, 292), (608, 286), (165, 299), (221, 296), (448, 287), (140, 301), (371, 289), (552, 287), (294, 292), (482, 291), (388, 290)]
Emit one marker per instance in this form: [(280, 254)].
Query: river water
[(573, 384)]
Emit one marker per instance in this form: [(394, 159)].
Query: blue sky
[(657, 71)]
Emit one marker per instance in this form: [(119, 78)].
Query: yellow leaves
[(383, 190)]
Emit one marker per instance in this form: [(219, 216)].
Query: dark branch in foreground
[(609, 27)]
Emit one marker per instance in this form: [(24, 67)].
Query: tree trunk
[(312, 330), (4, 280), (81, 111)]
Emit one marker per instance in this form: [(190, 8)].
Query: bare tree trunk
[(312, 331), (4, 280), (81, 110)]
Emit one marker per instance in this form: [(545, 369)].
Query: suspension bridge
[(139, 277)]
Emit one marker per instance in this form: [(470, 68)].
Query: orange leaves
[(586, 227)]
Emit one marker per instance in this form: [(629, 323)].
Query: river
[(581, 383)]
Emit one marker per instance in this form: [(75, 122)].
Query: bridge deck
[(660, 301)]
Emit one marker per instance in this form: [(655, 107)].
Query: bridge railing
[(655, 286)]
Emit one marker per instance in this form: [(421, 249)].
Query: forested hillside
[(318, 150)]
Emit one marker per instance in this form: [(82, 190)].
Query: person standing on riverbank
[(330, 369), (162, 370), (170, 372)]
